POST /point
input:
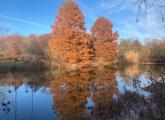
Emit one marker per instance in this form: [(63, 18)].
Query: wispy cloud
[(153, 28), (88, 12), (23, 21), (123, 14), (113, 7)]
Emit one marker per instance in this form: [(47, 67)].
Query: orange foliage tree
[(70, 43), (104, 39)]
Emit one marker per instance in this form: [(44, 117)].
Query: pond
[(83, 94)]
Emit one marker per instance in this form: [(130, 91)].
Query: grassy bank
[(14, 65)]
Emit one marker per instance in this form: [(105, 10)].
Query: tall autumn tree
[(70, 43), (105, 44)]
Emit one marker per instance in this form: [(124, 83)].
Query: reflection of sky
[(123, 86), (90, 105), (38, 107)]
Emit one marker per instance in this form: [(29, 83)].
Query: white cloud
[(123, 14), (152, 28)]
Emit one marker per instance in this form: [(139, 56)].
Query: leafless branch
[(143, 7)]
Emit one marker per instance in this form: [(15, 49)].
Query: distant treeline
[(132, 51), (35, 47), (19, 53), (28, 48)]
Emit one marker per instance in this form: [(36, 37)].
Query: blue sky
[(36, 16)]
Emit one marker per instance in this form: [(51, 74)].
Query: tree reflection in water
[(94, 94), (78, 92)]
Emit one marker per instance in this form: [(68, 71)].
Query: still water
[(73, 95)]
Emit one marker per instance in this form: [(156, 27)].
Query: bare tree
[(145, 5)]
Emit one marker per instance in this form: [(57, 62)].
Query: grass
[(12, 65)]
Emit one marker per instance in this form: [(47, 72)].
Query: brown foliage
[(106, 50), (132, 57), (70, 43), (37, 45), (12, 47), (69, 16), (104, 39), (132, 51)]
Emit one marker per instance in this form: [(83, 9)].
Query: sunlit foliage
[(104, 39), (131, 57), (132, 51), (70, 43)]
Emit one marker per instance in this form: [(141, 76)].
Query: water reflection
[(141, 95), (71, 92), (78, 92), (24, 96), (82, 94), (135, 78)]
